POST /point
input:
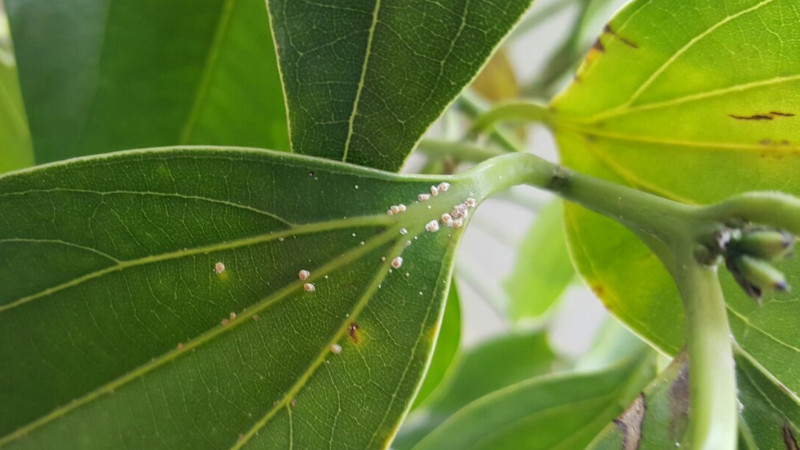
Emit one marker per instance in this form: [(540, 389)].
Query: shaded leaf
[(493, 365), (116, 329), (658, 418), (99, 76), (365, 79), (15, 140), (445, 350), (564, 411), (543, 269), (691, 102), (771, 414)]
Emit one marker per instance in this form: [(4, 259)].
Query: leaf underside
[(116, 330), (364, 79), (692, 102)]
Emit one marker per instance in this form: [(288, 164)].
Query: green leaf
[(445, 350), (15, 138), (116, 330), (771, 415), (543, 269), (100, 76), (692, 102), (493, 365), (560, 411), (365, 79), (658, 418)]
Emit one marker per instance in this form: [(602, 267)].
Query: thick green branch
[(712, 376)]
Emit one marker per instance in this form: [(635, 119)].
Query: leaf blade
[(152, 343), (128, 75), (395, 68)]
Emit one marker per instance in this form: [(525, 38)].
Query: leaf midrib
[(346, 258), (361, 80)]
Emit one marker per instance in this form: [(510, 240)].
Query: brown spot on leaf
[(768, 116), (630, 424), (753, 117), (598, 290), (679, 395), (352, 330), (610, 31), (788, 438), (598, 45)]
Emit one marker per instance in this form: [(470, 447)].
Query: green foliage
[(728, 131), (480, 371), (543, 269), (14, 135), (100, 76), (563, 411), (126, 322), (365, 79), (158, 297)]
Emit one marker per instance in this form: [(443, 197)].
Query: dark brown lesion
[(610, 31), (598, 46), (629, 423), (788, 438), (768, 116), (352, 330)]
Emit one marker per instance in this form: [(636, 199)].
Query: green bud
[(766, 244), (756, 276)]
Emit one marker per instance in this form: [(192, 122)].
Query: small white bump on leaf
[(444, 186), (397, 262), (434, 191), (232, 315), (336, 349), (403, 231), (447, 219), (401, 207), (303, 274), (471, 202), (432, 226), (394, 209), (423, 197), (309, 287), (458, 223), (219, 268)]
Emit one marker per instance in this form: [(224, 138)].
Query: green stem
[(642, 212), (712, 387), (473, 106), (672, 230), (439, 148), (523, 110)]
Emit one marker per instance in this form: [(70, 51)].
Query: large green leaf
[(15, 139), (491, 366), (364, 79), (692, 101), (102, 75), (116, 330), (560, 411)]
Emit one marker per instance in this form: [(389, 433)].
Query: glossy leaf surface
[(100, 75), (15, 140), (561, 411), (690, 101), (491, 366), (116, 328), (543, 269), (364, 79)]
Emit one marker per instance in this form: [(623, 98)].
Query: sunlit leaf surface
[(692, 101)]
